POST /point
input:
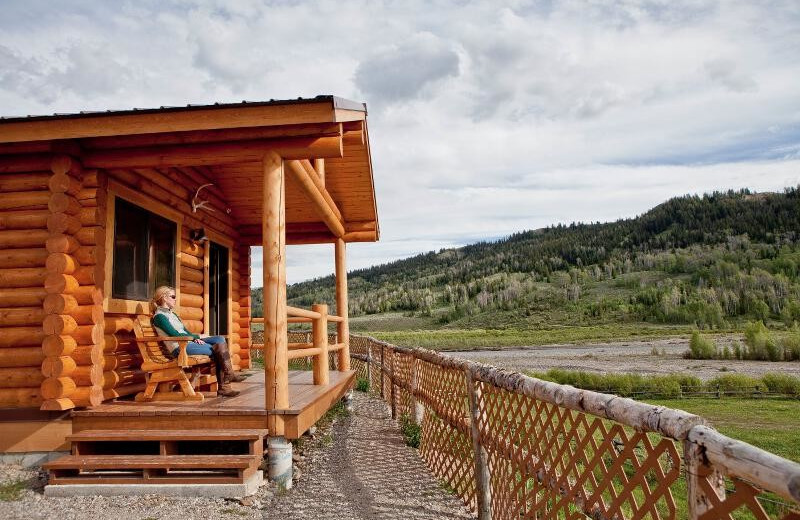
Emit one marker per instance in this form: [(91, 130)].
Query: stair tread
[(150, 461), (169, 435)]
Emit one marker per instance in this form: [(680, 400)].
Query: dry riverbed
[(660, 357)]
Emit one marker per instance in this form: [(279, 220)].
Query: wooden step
[(91, 462), (166, 435)]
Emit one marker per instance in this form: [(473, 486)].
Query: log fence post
[(483, 493), (697, 469), (392, 392), (383, 391), (417, 408), (369, 365), (319, 334)]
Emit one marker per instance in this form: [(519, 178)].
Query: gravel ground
[(644, 357), (357, 468)]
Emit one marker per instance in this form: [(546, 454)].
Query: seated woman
[(167, 323)]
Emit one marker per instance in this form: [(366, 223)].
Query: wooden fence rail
[(513, 446)]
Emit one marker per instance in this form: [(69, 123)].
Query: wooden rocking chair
[(163, 372)]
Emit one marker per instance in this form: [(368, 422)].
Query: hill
[(711, 260)]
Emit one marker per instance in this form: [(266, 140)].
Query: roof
[(225, 141)]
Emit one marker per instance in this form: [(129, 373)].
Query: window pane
[(144, 252)]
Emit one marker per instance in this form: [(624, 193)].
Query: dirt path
[(663, 356), (367, 472)]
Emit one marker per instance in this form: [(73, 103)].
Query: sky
[(485, 118)]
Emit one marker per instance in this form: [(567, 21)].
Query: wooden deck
[(307, 403)]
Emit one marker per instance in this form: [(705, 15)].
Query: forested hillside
[(714, 260)]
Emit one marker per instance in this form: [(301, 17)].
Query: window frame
[(117, 190)]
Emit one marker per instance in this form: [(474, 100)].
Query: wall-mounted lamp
[(198, 235)]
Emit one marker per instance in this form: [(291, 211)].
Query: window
[(144, 252)]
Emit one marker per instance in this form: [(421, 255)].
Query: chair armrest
[(183, 341)]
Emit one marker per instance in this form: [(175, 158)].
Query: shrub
[(701, 347), (362, 385), (782, 383), (736, 383), (760, 344), (790, 345), (411, 431)]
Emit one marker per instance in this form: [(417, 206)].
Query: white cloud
[(485, 118)]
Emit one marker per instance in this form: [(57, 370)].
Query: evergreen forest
[(712, 261)]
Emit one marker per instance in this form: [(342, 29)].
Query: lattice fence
[(512, 446)]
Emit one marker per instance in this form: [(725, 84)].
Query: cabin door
[(218, 289)]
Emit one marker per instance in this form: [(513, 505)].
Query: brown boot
[(222, 357)]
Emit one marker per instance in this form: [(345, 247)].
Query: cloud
[(406, 70), (724, 72)]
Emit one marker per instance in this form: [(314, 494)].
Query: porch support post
[(343, 327), (276, 361)]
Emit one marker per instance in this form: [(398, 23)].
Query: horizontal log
[(22, 277), (90, 275), (194, 326), (29, 162), (20, 397), (115, 324), (92, 216), (191, 313), (88, 334), (21, 336), (20, 377), (25, 219), (58, 345), (21, 239), (58, 366), (115, 344), (33, 181), (208, 154), (33, 200), (59, 223), (191, 300), (122, 391), (91, 235), (63, 203), (191, 288), (21, 316), (92, 178), (36, 257), (120, 360), (193, 261), (192, 249), (61, 263), (235, 361), (88, 295), (59, 304), (62, 244), (64, 183), (59, 324), (88, 314), (88, 355), (57, 387), (85, 396), (21, 356), (91, 255), (60, 283), (191, 275), (57, 405), (88, 375), (122, 377), (65, 164), (87, 196)]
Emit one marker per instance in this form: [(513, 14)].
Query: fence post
[(319, 334), (383, 391), (417, 408), (483, 492), (392, 392), (369, 365), (697, 470)]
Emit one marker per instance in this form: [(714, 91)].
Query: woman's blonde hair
[(158, 295)]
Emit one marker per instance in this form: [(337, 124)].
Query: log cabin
[(97, 209)]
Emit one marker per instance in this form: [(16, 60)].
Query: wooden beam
[(323, 237), (276, 362), (213, 136), (319, 167), (214, 153), (309, 182), (154, 121), (343, 327)]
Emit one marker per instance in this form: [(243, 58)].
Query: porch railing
[(513, 446)]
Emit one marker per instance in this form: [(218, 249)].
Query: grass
[(467, 339), (769, 424), (412, 432), (12, 491)]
